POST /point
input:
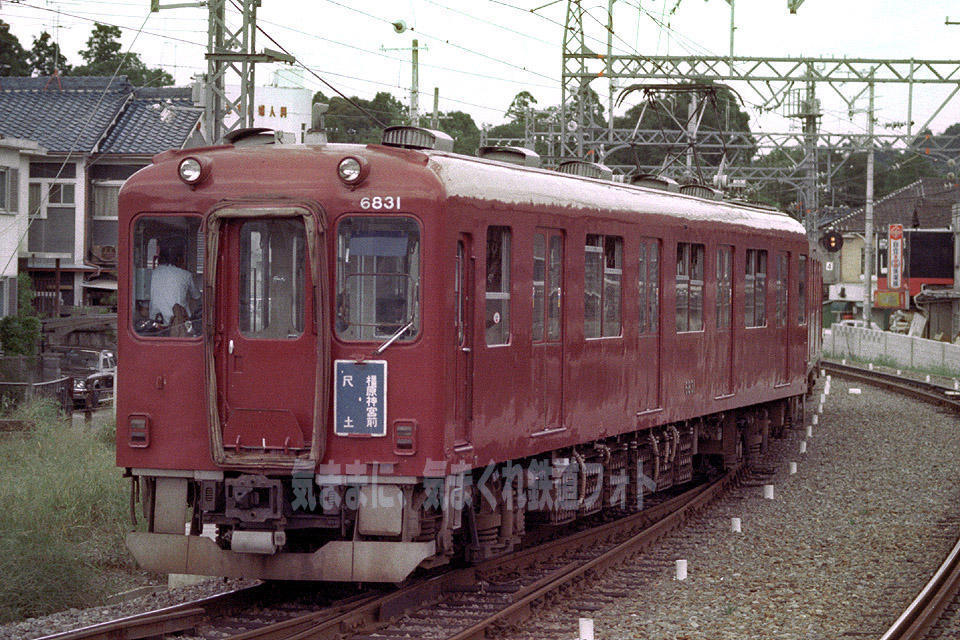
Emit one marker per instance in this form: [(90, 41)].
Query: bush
[(63, 516)]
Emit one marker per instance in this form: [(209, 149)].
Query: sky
[(481, 53)]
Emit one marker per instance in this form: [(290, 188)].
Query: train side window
[(755, 288), (554, 291), (498, 286), (724, 286), (603, 276), (802, 291), (648, 285), (782, 289), (539, 282), (378, 278), (689, 287), (168, 258)]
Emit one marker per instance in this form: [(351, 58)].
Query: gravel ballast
[(843, 547), (76, 618)]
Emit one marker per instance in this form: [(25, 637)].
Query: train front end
[(278, 396)]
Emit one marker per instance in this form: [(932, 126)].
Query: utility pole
[(609, 70), (415, 86), (868, 213), (435, 120), (415, 79)]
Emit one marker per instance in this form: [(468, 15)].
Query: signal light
[(832, 241)]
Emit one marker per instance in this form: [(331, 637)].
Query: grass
[(63, 515)]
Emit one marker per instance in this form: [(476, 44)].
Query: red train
[(556, 345)]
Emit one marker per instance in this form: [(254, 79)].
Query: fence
[(841, 341), (25, 377)]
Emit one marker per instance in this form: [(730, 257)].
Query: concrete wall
[(841, 341)]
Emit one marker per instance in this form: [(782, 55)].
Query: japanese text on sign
[(360, 398)]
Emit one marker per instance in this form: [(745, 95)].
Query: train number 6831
[(380, 203)]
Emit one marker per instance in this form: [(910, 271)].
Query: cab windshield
[(378, 278), (168, 257)]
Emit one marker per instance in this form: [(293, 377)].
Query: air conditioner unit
[(105, 253)]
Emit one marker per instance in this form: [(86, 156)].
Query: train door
[(547, 330), (464, 285), (265, 349), (725, 338), (648, 347), (782, 317)]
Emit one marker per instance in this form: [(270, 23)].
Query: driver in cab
[(171, 289)]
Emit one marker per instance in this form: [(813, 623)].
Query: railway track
[(458, 603), (925, 391), (941, 595)]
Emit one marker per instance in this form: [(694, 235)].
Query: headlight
[(352, 171), (79, 385), (190, 170)]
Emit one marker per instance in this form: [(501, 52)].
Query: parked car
[(92, 371), (860, 323)]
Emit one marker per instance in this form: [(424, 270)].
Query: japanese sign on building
[(895, 253), (360, 397)]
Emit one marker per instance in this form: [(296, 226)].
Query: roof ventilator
[(511, 155), (586, 169), (254, 136), (701, 191), (655, 181), (416, 138)]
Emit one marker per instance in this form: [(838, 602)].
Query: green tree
[(103, 57), (45, 56), (13, 57), (20, 334), (522, 103), (464, 131), (346, 123)]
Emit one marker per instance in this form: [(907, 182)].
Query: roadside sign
[(360, 398), (894, 256)]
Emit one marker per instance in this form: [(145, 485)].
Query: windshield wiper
[(394, 337)]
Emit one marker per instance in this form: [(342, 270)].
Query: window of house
[(724, 286), (689, 286), (43, 194), (802, 291), (603, 275), (4, 189), (498, 286), (782, 289), (648, 284), (105, 199), (755, 288)]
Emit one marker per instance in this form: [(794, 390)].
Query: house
[(95, 132), (923, 208), (15, 157)]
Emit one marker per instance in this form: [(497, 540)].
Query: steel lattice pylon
[(769, 81)]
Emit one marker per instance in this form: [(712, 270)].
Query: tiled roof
[(77, 113), (62, 114), (154, 121), (923, 204)]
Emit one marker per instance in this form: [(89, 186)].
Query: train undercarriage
[(379, 528)]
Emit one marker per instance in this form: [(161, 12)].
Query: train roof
[(480, 179)]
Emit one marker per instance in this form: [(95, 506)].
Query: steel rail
[(941, 590), (925, 391), (179, 617)]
